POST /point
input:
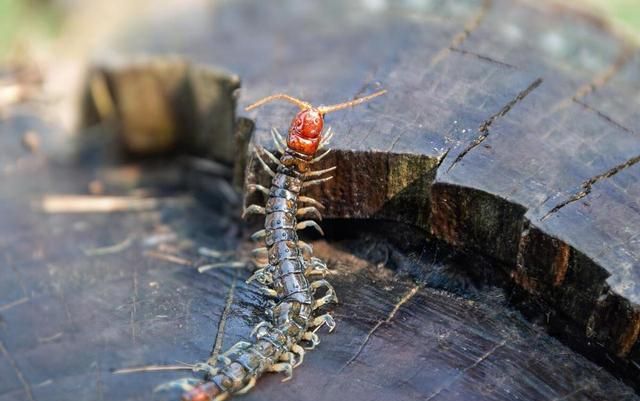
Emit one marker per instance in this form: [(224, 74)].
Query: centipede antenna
[(351, 103), (279, 96)]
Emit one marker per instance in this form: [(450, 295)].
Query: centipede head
[(305, 131)]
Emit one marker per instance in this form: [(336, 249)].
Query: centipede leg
[(260, 259), (258, 187), (299, 351), (319, 303), (253, 209), (288, 357), (307, 250), (312, 338), (257, 252), (278, 140), (329, 297), (270, 155), (318, 158), (309, 210), (318, 173), (294, 357), (326, 138), (264, 165), (249, 386), (318, 181), (319, 264), (259, 235), (309, 223), (316, 266), (283, 367), (224, 359), (322, 320), (324, 283), (311, 201), (260, 330), (262, 276), (269, 292)]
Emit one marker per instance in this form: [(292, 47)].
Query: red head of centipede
[(305, 131)]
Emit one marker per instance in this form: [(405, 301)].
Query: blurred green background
[(29, 24), (623, 12), (30, 21)]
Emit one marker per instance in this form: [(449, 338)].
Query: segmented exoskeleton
[(289, 264)]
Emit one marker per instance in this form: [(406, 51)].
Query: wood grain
[(509, 130)]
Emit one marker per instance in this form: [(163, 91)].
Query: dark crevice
[(482, 57), (442, 158), (485, 125), (588, 184)]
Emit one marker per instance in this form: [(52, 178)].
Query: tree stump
[(508, 136)]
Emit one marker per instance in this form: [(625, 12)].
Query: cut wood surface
[(509, 129), (509, 132), (90, 296)]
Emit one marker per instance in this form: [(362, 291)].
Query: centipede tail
[(279, 344)]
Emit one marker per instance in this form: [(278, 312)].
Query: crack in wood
[(471, 25), (14, 365), (441, 158), (588, 184), (603, 116), (481, 57), (406, 297), (466, 369), (217, 345), (486, 124)]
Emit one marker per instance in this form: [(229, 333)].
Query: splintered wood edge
[(163, 105)]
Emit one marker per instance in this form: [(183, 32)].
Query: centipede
[(286, 269)]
